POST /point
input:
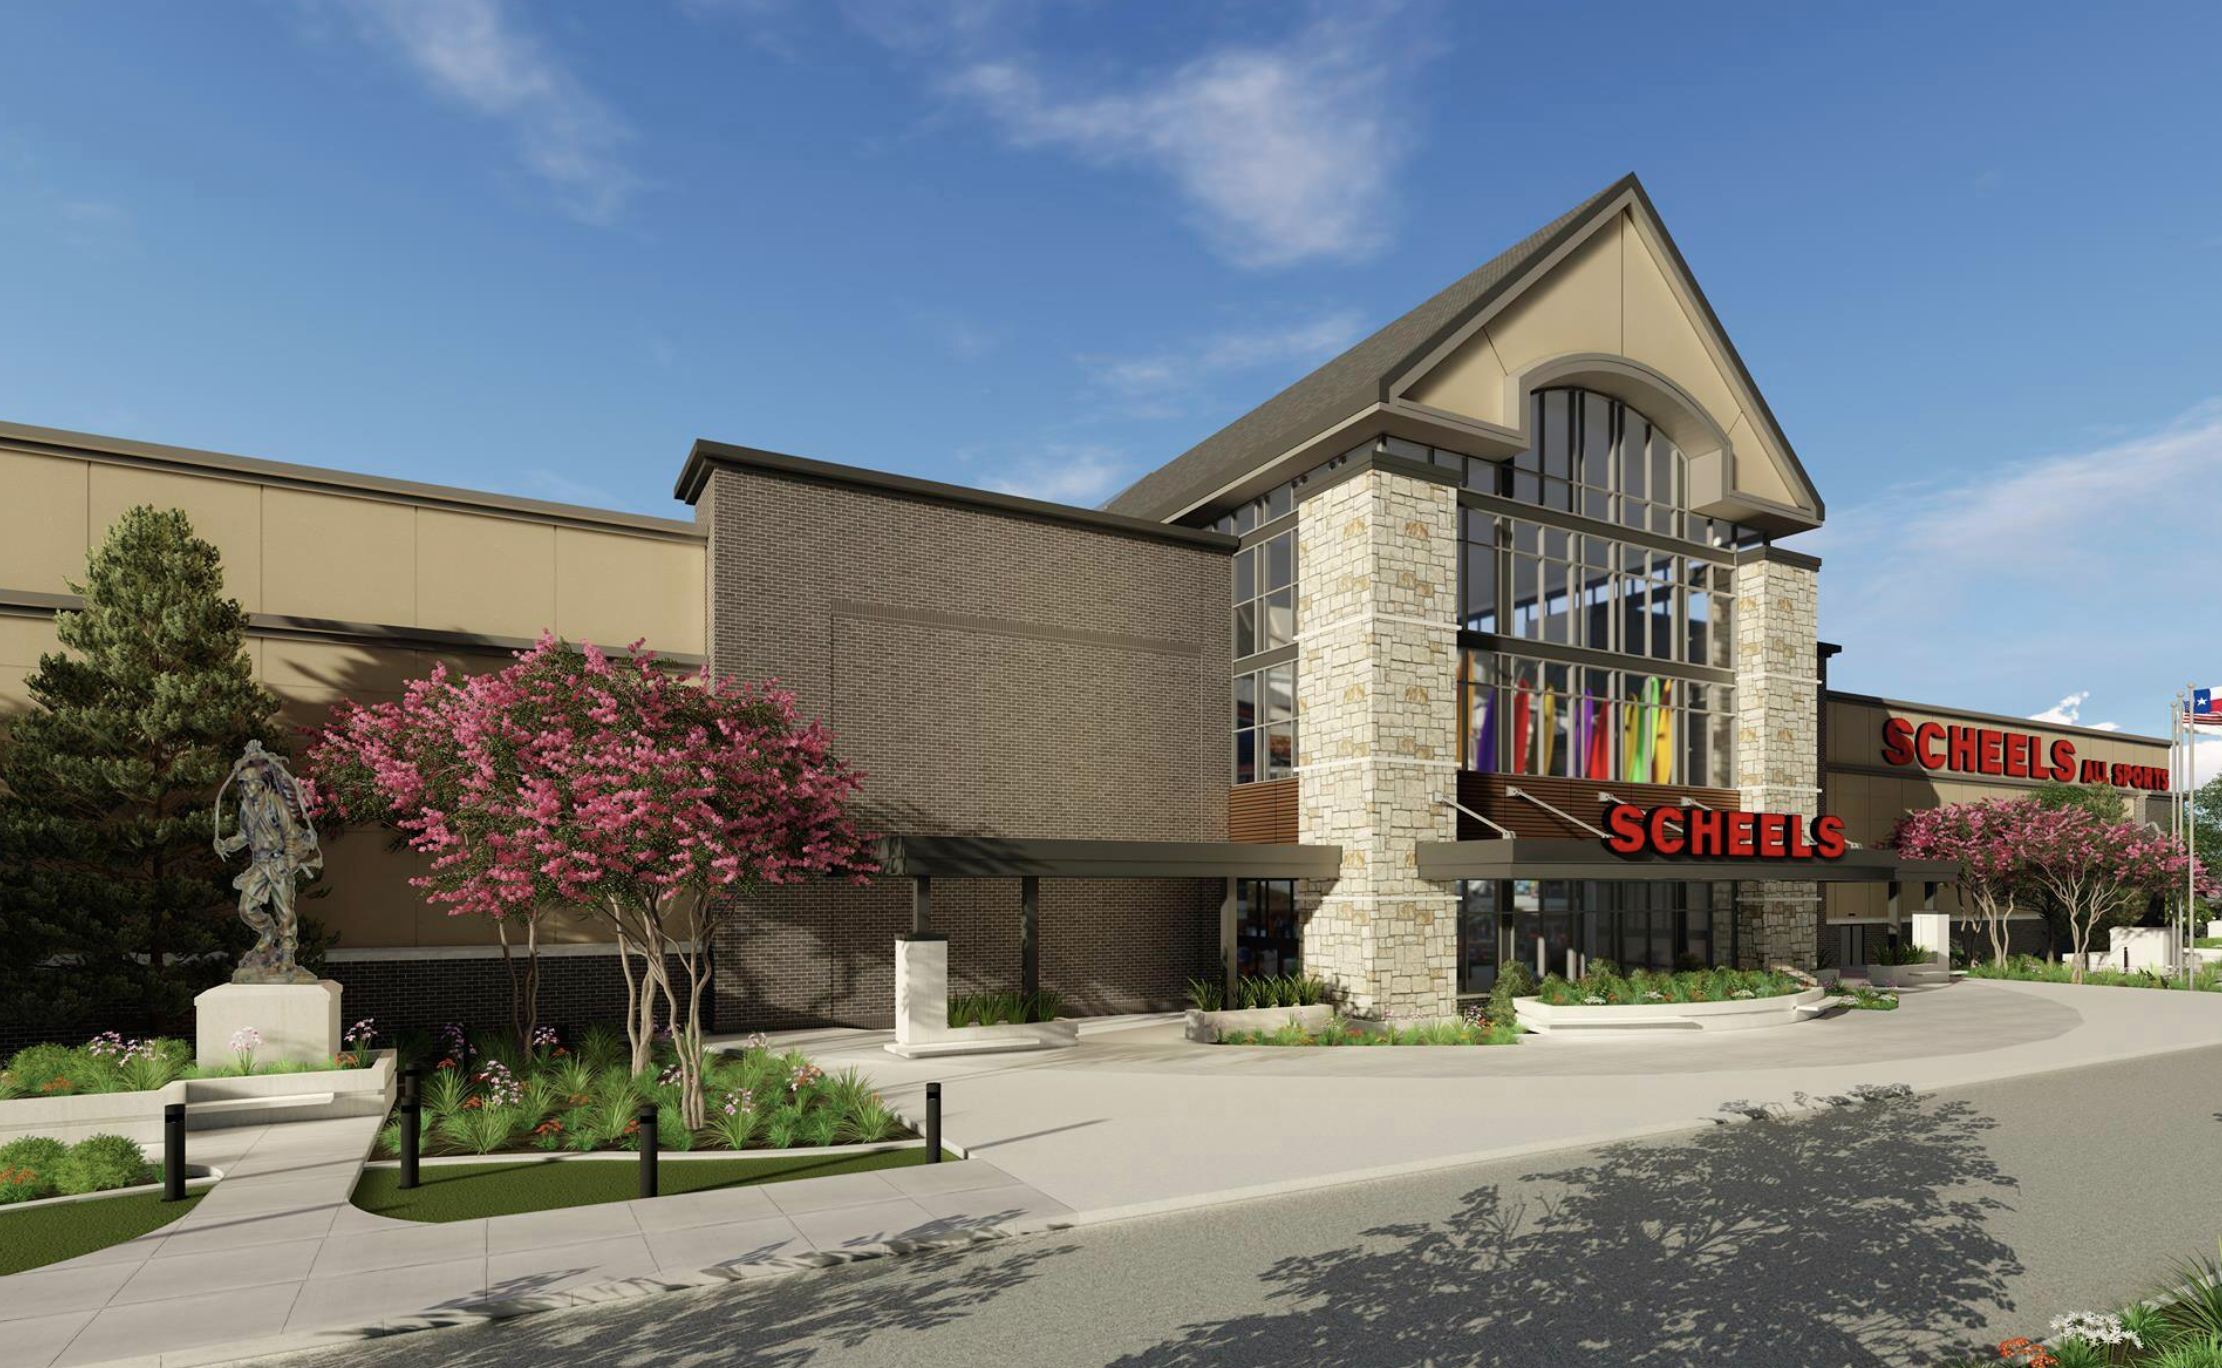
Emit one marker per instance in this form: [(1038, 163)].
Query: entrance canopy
[(995, 857), (1523, 857)]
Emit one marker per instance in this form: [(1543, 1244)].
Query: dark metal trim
[(1382, 461), (992, 857), (1778, 556), (1581, 524), (1526, 858), (1584, 656), (707, 456)]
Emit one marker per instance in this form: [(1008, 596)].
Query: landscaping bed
[(49, 1232), (1473, 1027), (2207, 978), (1720, 999), (2179, 1326), (485, 1095), (111, 1063), (464, 1192)]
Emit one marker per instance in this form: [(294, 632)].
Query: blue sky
[(1973, 254)]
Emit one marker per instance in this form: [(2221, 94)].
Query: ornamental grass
[(483, 1095), (113, 1063)]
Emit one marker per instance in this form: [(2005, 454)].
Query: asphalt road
[(1888, 1232)]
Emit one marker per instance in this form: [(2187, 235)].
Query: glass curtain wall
[(1637, 924)]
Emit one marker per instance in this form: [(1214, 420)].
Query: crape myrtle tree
[(654, 802), (114, 899), (2099, 873), (1981, 839)]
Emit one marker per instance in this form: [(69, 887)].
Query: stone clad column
[(1777, 740), (1376, 684)]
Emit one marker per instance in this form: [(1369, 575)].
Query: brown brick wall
[(992, 674)]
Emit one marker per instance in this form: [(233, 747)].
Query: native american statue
[(280, 841)]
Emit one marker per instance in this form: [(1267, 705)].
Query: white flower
[(1743, 993), (245, 1038), (1654, 997), (1593, 1001), (2094, 1327)]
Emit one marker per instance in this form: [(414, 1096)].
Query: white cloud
[(2083, 564), (476, 54), (1284, 153), (1148, 385), (1080, 475), (2068, 712), (2206, 759)]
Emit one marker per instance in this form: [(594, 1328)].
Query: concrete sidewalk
[(1137, 1120), (276, 1258)]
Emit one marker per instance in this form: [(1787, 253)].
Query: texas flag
[(2204, 712)]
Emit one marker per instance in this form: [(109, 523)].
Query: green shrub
[(30, 1168), (57, 1070), (782, 1128), (1903, 952), (871, 1122), (1207, 995), (100, 1162), (1003, 1009)]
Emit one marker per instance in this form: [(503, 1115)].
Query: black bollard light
[(412, 1123), (933, 1123), (647, 1119), (173, 1152)]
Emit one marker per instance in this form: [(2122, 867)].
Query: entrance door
[(1267, 940)]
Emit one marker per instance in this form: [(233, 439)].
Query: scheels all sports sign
[(2013, 755), (1708, 834)]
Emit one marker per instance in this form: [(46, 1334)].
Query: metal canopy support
[(1896, 901), (1463, 810), (921, 904), (1562, 815), (1029, 935)]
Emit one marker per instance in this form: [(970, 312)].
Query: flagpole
[(2190, 814), (2176, 728)]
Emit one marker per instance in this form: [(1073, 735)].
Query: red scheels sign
[(2012, 755), (1707, 834)]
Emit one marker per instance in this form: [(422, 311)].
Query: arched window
[(1595, 456)]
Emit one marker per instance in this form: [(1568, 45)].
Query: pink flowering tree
[(653, 802), (1981, 839), (2099, 873)]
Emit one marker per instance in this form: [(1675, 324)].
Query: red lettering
[(1770, 836), (1664, 838), (2063, 760), (1704, 830), (1926, 739), (1897, 741), (1624, 823), (1987, 759), (1738, 829), (1966, 746), (1794, 839), (1828, 837), (2018, 746)]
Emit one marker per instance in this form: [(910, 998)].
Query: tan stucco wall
[(1612, 295), (353, 557), (1870, 794)]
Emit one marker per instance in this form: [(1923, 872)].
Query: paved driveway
[(1888, 1233), (1137, 1121)]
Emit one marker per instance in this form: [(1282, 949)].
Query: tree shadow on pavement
[(785, 1322), (1854, 1235)]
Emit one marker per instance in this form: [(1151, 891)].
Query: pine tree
[(116, 905)]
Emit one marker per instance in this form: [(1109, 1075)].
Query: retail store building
[(1353, 684)]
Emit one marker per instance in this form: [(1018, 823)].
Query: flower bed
[(1472, 1027), (1605, 1001), (486, 1096), (2207, 978), (1003, 1009), (110, 1063), (2180, 1326)]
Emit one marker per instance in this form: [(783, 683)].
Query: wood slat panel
[(1262, 812), (1485, 794)]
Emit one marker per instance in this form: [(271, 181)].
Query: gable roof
[(1365, 374)]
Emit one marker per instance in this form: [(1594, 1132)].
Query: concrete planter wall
[(1906, 975), (964, 1040), (210, 1102), (1737, 1014), (1205, 1028)]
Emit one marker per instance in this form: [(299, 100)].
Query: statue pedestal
[(298, 1021)]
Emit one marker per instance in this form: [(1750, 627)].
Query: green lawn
[(33, 1236), (465, 1192)]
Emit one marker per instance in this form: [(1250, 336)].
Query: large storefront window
[(1519, 715), (1267, 939), (1534, 582), (1265, 723), (1554, 926), (1265, 621)]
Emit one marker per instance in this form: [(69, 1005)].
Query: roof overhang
[(1525, 858), (993, 857)]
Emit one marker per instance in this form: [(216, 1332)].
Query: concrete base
[(921, 989), (2139, 947), (965, 1040), (299, 1022), (1205, 1028)]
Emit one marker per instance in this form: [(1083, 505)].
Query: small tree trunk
[(516, 997), (532, 979)]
